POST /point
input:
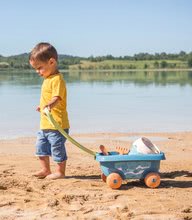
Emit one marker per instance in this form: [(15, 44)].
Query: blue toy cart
[(116, 168)]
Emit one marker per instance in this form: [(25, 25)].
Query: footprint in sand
[(29, 189), (53, 202), (3, 187), (8, 172), (187, 210), (6, 204), (81, 198)]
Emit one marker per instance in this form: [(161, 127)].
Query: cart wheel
[(152, 180), (103, 177), (114, 180)]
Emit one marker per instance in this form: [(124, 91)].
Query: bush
[(156, 64), (189, 62), (4, 65), (146, 66), (163, 64)]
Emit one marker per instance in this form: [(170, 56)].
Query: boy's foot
[(55, 176), (41, 174)]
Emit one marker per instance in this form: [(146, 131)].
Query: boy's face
[(44, 69)]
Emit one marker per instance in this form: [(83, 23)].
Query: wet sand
[(82, 194)]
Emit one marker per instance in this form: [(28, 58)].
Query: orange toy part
[(122, 150), (104, 150), (114, 180), (152, 180), (103, 177)]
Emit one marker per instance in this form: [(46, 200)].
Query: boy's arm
[(54, 101)]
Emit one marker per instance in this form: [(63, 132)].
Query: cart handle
[(68, 137)]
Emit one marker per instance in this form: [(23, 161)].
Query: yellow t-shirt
[(52, 86)]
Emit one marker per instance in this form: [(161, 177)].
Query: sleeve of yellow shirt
[(58, 87)]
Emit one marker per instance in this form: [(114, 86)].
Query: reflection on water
[(101, 102), (137, 77), (19, 78)]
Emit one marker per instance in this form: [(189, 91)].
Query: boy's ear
[(52, 61)]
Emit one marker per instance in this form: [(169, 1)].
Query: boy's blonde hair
[(43, 52)]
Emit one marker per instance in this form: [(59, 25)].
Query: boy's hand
[(48, 107), (38, 109)]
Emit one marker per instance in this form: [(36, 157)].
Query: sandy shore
[(82, 194)]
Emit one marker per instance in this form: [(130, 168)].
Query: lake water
[(101, 102)]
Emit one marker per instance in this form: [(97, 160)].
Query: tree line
[(145, 56), (161, 60)]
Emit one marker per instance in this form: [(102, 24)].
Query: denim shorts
[(51, 143)]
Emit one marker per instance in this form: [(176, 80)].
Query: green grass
[(126, 64)]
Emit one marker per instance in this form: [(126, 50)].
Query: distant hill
[(21, 61)]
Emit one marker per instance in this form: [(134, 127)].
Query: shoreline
[(106, 70), (82, 194), (85, 133)]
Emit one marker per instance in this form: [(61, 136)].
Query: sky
[(96, 27)]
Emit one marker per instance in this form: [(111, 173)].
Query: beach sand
[(82, 194)]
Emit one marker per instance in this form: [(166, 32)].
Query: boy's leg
[(61, 168), (45, 164), (43, 151), (57, 141), (60, 171)]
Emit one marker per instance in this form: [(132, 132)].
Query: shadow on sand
[(96, 177), (175, 174), (165, 182)]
